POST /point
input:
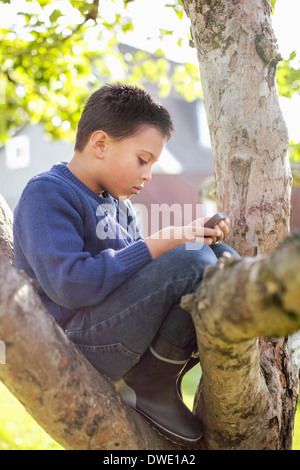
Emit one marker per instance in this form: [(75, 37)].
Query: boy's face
[(127, 164)]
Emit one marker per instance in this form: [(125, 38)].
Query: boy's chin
[(121, 197)]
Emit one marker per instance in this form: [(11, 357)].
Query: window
[(17, 152)]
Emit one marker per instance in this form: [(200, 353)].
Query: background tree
[(247, 398), (48, 66)]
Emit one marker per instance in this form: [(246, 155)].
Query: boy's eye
[(142, 161)]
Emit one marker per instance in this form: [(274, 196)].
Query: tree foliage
[(54, 54), (49, 67), (288, 80), (249, 392)]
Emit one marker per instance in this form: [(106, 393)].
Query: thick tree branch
[(237, 302), (77, 406), (248, 395), (242, 299), (6, 236)]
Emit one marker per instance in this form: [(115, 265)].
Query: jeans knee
[(200, 251), (220, 248), (191, 258)]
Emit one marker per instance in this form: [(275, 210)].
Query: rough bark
[(75, 404), (240, 398), (6, 234), (81, 409), (248, 392), (238, 54), (207, 189)]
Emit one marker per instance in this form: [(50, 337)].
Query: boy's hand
[(171, 237), (222, 227), (205, 234)]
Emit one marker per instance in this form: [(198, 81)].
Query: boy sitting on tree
[(115, 293)]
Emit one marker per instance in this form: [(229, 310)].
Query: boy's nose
[(147, 175)]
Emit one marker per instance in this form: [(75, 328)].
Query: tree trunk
[(80, 408), (75, 404), (6, 234), (246, 402), (238, 55), (248, 391)]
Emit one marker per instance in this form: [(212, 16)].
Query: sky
[(286, 27), (149, 16)]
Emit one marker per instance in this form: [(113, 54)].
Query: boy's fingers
[(213, 232), (211, 235), (223, 226), (206, 240)]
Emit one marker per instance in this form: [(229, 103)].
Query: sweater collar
[(62, 169)]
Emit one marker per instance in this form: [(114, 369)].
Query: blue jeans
[(114, 334)]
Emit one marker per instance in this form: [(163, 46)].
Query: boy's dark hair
[(119, 109)]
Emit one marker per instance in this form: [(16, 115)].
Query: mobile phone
[(215, 219)]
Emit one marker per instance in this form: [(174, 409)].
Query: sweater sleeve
[(49, 235)]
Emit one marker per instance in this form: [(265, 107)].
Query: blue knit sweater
[(78, 246)]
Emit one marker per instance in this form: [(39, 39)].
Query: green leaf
[(177, 7), (54, 15), (288, 76), (179, 14), (273, 5), (294, 151), (165, 32)]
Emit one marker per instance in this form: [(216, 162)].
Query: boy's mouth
[(137, 189)]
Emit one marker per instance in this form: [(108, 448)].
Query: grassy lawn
[(19, 431)]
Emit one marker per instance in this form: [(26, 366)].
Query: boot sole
[(166, 433)]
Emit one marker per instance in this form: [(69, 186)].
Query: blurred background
[(55, 53)]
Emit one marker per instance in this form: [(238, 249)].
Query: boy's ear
[(98, 142)]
